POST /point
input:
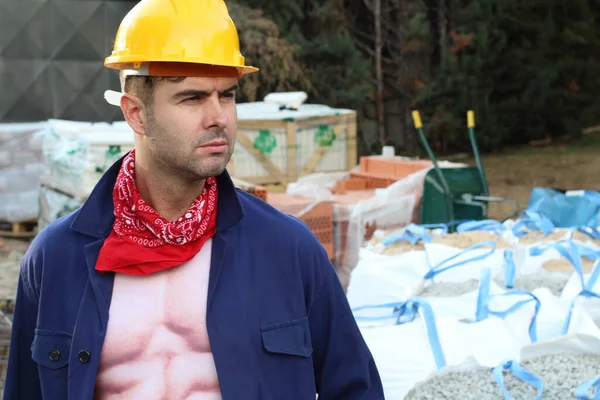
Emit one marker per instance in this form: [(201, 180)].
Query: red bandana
[(142, 242)]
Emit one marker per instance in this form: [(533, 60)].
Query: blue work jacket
[(278, 321)]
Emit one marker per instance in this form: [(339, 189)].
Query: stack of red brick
[(377, 172), (329, 220)]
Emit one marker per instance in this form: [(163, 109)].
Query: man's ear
[(134, 112)]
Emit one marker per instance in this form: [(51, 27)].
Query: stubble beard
[(167, 158)]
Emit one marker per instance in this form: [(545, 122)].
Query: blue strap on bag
[(573, 252), (489, 225), (484, 298), (441, 267), (510, 270), (587, 292), (592, 233), (483, 295), (533, 221), (398, 312), (414, 234), (583, 392), (443, 227), (570, 250), (520, 373), (409, 310)]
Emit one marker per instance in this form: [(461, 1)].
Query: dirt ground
[(568, 166), (11, 252)]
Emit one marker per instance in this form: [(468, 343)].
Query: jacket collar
[(96, 216)]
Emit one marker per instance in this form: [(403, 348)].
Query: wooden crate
[(279, 151)]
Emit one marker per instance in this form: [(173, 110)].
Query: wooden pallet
[(26, 229)]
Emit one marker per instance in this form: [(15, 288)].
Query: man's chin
[(209, 172)]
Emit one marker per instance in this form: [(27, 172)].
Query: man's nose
[(215, 116)]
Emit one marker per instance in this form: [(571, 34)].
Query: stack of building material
[(76, 154), (377, 172), (20, 169), (276, 144), (355, 214)]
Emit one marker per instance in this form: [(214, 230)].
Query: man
[(140, 296)]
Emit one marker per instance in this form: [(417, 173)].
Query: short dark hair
[(143, 86)]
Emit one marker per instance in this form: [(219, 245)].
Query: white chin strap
[(113, 97)]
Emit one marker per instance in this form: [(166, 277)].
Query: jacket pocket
[(289, 338), (51, 349)]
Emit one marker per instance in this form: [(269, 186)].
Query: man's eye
[(194, 98), (229, 95)]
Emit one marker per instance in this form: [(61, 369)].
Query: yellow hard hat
[(178, 38)]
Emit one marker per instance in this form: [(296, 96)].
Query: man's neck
[(169, 196)]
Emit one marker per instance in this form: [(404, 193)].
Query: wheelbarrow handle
[(447, 193), (471, 119), (471, 127), (478, 201)]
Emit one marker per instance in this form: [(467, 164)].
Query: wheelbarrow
[(452, 195)]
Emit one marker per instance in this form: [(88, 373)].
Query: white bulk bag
[(424, 345), (381, 279), (451, 264)]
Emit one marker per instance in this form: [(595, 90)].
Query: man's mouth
[(215, 146)]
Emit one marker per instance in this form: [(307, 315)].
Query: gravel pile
[(401, 248), (534, 237), (561, 374), (463, 240), (554, 281), (450, 289)]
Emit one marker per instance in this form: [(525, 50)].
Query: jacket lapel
[(102, 283), (229, 213)]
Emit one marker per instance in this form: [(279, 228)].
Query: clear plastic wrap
[(359, 213), (21, 164), (54, 205), (76, 154), (355, 214)]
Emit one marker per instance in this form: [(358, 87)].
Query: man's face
[(192, 126)]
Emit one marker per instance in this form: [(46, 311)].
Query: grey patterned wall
[(51, 59)]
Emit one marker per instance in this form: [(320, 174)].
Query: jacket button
[(54, 355), (84, 356)]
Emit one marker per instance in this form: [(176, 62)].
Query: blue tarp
[(572, 209)]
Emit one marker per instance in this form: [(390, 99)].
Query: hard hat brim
[(177, 68), (174, 69)]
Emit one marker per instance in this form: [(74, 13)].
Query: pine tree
[(527, 68), (263, 46), (337, 70)]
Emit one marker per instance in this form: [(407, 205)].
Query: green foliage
[(529, 71), (328, 64), (338, 72), (527, 68), (263, 47)]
